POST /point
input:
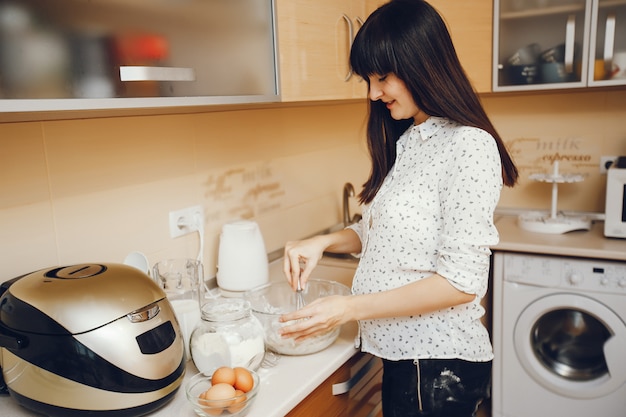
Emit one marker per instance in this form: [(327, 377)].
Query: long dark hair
[(410, 39)]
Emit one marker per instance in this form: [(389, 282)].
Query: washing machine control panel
[(571, 273)]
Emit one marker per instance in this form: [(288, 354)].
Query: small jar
[(227, 335)]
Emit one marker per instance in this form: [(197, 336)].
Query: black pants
[(434, 387)]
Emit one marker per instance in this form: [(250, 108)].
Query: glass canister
[(180, 279), (227, 335)]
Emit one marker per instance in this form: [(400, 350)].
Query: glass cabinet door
[(540, 44), (608, 43), (74, 51)]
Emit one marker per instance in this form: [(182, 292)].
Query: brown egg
[(207, 409), (217, 398), (243, 379), (238, 403), (223, 375), (212, 411)]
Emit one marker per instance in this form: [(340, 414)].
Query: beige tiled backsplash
[(93, 190)]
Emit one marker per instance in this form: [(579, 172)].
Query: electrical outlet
[(605, 163), (186, 221)]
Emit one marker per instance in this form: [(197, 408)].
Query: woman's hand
[(316, 318), (301, 256), (300, 259)]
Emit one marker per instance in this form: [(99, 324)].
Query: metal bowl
[(271, 300)]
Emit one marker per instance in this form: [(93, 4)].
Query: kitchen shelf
[(542, 11), (554, 10)]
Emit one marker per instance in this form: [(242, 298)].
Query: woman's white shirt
[(432, 214)]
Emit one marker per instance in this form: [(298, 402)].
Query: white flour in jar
[(212, 350)]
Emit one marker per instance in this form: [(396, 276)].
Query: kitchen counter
[(293, 378), (586, 244), (284, 385)]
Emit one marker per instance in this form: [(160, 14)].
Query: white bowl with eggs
[(227, 392)]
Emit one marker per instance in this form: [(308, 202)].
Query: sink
[(340, 274), (344, 256)]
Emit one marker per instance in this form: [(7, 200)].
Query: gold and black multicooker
[(89, 339)]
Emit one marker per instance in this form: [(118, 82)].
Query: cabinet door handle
[(146, 73), (350, 38), (359, 21), (570, 34), (609, 41), (343, 387)]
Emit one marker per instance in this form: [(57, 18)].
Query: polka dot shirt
[(432, 214)]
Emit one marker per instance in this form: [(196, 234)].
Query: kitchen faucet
[(348, 191)]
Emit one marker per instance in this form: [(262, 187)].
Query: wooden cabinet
[(308, 40), (470, 25), (322, 402), (314, 42), (353, 390), (365, 397), (314, 39)]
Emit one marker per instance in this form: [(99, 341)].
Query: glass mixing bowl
[(271, 300)]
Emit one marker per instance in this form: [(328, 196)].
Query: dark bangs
[(372, 51)]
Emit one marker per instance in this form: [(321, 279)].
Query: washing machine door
[(572, 345)]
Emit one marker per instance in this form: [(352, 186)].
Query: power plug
[(185, 221), (606, 162)]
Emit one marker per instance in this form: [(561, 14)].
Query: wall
[(96, 189), (575, 128)]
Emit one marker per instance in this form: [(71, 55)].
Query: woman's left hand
[(318, 317)]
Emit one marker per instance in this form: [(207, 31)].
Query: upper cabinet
[(470, 24), (93, 54), (550, 44), (607, 49), (314, 39)]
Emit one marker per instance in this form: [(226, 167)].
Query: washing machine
[(559, 336)]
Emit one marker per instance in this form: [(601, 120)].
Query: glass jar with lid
[(227, 335)]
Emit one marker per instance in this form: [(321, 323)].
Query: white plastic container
[(242, 260)]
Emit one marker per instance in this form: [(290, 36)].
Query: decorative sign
[(537, 155), (242, 193)]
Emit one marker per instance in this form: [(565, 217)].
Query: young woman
[(438, 166)]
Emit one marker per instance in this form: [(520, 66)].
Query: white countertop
[(293, 378), (283, 386), (586, 244)]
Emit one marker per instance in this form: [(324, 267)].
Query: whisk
[(299, 296)]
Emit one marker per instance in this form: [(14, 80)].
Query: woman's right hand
[(301, 258)]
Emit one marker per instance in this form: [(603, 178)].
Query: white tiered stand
[(555, 223)]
